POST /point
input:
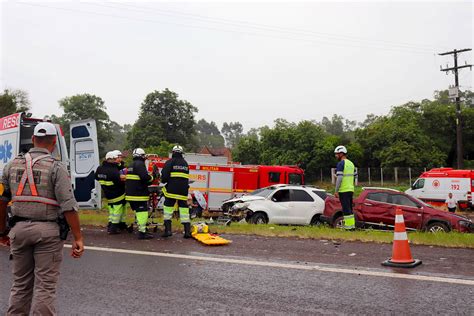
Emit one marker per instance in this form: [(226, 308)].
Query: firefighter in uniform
[(108, 175), (175, 174), (136, 191), (41, 192), (345, 179), (123, 171)]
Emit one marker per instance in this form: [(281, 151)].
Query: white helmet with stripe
[(340, 150), (178, 149), (138, 152)]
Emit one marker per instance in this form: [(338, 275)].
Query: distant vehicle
[(15, 137), (278, 204), (220, 182), (375, 207), (433, 186)]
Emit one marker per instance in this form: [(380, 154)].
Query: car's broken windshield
[(262, 192)]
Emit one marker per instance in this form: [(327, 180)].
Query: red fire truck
[(220, 182)]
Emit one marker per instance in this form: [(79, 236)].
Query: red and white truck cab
[(221, 182)]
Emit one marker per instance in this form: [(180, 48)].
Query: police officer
[(175, 174), (108, 175), (136, 191), (345, 179), (41, 192)]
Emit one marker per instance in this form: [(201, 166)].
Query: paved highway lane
[(123, 283)]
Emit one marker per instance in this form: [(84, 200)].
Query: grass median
[(452, 239)]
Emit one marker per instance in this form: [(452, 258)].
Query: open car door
[(84, 157)]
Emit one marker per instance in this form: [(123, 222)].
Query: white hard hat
[(340, 149), (44, 129), (138, 152), (117, 153), (178, 149), (113, 154), (109, 155)]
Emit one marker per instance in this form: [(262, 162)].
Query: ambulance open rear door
[(84, 160)]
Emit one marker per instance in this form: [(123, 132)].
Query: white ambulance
[(15, 137), (434, 186)]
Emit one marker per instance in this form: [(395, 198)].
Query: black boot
[(123, 226), (187, 230), (167, 232), (142, 235), (113, 229)]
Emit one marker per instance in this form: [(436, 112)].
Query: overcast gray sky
[(251, 62)]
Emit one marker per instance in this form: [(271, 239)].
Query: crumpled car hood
[(246, 198)]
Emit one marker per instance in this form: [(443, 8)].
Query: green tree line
[(415, 134)]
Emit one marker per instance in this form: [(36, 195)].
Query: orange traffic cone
[(401, 254)]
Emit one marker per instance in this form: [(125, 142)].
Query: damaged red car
[(375, 207)]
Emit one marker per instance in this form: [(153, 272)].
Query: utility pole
[(459, 146)]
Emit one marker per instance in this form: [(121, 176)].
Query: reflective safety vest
[(175, 174), (30, 180), (348, 176), (108, 175), (137, 181)]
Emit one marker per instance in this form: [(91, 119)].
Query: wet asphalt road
[(115, 283)]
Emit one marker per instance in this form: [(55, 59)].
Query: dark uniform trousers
[(37, 254)]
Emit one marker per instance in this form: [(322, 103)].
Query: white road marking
[(287, 266)]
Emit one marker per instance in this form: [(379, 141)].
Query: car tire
[(315, 221), (338, 222), (437, 227), (259, 218)]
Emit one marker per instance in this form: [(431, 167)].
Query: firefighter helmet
[(340, 150), (178, 149), (109, 155), (114, 154), (138, 152), (117, 153)]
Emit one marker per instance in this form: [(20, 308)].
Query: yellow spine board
[(210, 240)]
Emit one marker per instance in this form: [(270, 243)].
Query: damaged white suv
[(279, 204)]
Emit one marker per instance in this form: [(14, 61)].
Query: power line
[(267, 27), (226, 30)]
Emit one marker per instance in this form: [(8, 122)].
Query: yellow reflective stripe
[(117, 199), (179, 175), (136, 177), (132, 177), (106, 183), (174, 196), (136, 198)]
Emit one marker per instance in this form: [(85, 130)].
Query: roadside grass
[(451, 240)]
